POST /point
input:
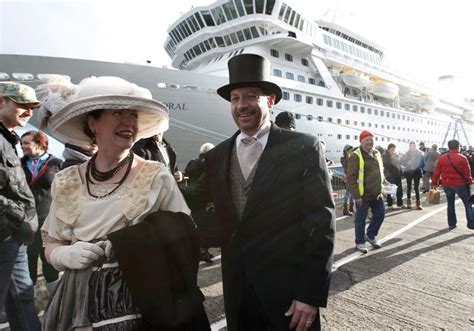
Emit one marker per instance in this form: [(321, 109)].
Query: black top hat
[(285, 119), (249, 70)]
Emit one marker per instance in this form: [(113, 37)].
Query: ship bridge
[(207, 33)]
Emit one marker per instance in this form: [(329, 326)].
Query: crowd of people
[(120, 230)]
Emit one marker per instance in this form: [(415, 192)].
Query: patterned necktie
[(249, 152)]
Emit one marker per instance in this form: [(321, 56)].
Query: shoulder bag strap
[(460, 174)]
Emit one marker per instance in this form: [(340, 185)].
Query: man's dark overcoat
[(283, 244)]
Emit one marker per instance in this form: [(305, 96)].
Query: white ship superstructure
[(333, 80)]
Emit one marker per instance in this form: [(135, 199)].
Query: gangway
[(456, 126)]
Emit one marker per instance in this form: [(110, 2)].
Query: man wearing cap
[(365, 180), (286, 120), (18, 221), (273, 199)]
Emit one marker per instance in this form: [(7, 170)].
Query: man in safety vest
[(365, 181)]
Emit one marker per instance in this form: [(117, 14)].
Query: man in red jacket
[(455, 173)]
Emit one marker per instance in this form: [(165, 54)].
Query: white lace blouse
[(75, 215)]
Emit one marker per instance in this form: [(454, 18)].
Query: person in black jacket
[(393, 174), (18, 221), (40, 168), (156, 148)]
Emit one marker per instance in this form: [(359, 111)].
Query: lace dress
[(97, 298)]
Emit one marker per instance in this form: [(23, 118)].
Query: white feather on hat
[(101, 93)]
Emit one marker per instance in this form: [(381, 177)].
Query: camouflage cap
[(19, 93)]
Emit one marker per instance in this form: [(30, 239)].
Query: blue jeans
[(16, 287), (378, 215), (463, 193)]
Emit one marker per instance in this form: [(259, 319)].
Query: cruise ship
[(333, 80)]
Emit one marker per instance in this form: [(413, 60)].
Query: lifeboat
[(356, 80), (428, 103), (384, 89)]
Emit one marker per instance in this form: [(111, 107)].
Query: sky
[(423, 38)]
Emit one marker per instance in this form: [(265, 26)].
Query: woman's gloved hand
[(79, 255), (106, 245)]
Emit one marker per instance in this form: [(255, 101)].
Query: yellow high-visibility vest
[(360, 179)]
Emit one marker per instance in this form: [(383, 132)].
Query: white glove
[(106, 245), (80, 255)]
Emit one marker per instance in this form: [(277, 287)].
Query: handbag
[(433, 196)]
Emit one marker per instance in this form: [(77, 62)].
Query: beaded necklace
[(106, 175), (91, 165)]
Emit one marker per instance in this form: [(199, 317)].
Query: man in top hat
[(18, 221), (286, 120), (272, 195), (365, 180)]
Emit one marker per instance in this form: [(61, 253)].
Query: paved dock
[(422, 277)]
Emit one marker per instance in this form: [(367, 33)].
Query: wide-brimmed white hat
[(96, 93)]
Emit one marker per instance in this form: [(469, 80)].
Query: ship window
[(348, 122), (354, 108), (347, 106), (247, 34), (199, 20), (288, 57), (277, 72), (290, 75), (348, 137), (191, 24), (218, 15), (320, 118), (286, 95), (301, 78), (254, 32), (304, 62), (355, 137), (338, 105), (292, 19), (312, 81), (206, 14), (186, 28), (297, 97), (248, 4), (233, 36), (259, 4), (269, 8), (297, 21), (287, 14), (376, 125), (369, 111), (355, 123), (207, 45), (382, 113), (393, 115), (197, 50), (362, 109), (227, 40), (309, 100), (226, 8), (240, 8), (376, 138), (339, 121), (362, 123), (319, 101), (376, 111), (282, 11), (240, 35), (329, 103), (220, 42), (339, 136), (370, 125), (330, 119), (274, 53)]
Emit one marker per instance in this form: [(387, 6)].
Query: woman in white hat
[(115, 189)]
